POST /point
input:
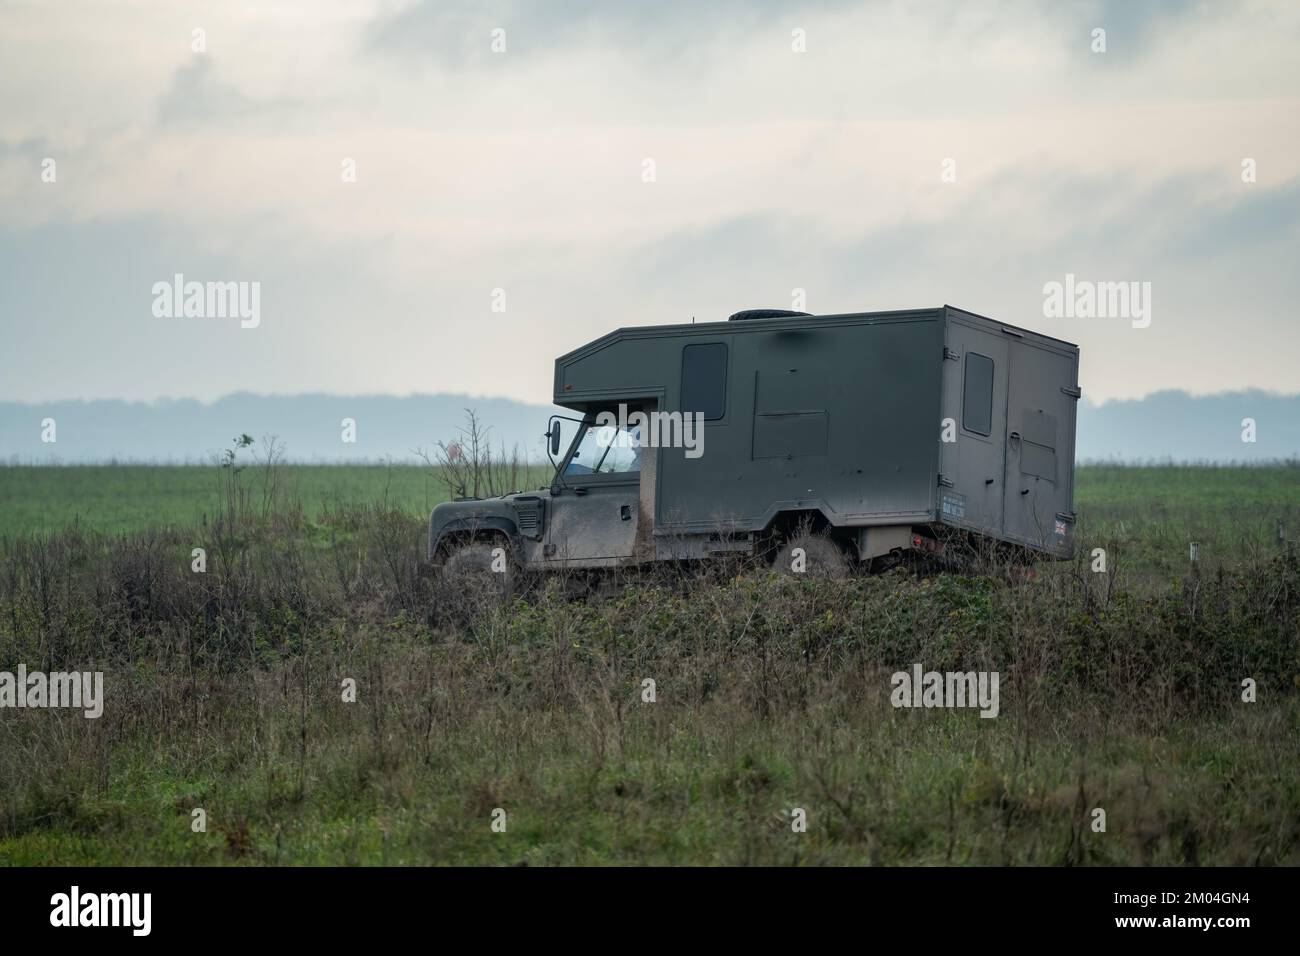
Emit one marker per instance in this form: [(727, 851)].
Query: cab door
[(595, 508), (593, 524)]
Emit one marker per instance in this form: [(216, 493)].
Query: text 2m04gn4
[(865, 435)]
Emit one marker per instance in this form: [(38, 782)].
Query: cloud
[(197, 99), (775, 171), (195, 96), (1257, 217), (1136, 27), (456, 34)]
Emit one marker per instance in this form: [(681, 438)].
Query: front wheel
[(478, 577)]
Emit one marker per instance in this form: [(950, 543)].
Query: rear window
[(704, 380), (977, 398)]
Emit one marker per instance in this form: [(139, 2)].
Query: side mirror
[(554, 434)]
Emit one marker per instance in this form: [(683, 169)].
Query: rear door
[(975, 376), (1040, 446)]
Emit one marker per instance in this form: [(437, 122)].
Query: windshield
[(606, 450)]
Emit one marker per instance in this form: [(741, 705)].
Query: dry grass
[(224, 692)]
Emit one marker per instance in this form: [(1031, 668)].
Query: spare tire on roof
[(764, 314)]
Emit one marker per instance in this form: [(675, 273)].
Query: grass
[(934, 788), (1150, 515), (1238, 503), (1120, 692), (125, 498)]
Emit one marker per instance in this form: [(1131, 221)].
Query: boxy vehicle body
[(881, 430)]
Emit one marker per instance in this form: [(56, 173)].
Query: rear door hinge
[(1072, 390), (945, 481), (949, 355)]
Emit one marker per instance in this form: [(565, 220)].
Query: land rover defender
[(856, 437)]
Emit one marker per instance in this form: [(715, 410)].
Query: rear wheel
[(813, 556)]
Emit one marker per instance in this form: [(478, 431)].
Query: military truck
[(857, 438)]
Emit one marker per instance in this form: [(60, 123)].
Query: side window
[(704, 380), (977, 395), (607, 450), (624, 455)]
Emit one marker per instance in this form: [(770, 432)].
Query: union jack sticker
[(1061, 529)]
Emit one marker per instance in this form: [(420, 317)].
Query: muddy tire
[(817, 556), (477, 578)]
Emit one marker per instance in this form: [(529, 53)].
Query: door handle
[(1014, 436), (625, 512)]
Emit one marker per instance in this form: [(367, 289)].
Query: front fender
[(455, 517)]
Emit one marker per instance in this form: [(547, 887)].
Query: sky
[(444, 196)]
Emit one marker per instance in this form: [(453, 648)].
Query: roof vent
[(764, 314)]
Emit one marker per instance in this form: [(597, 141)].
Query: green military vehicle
[(858, 438)]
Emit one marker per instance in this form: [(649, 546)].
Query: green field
[(1120, 691), (1144, 515), (116, 498), (1148, 516)]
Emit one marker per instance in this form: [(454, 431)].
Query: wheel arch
[(785, 524), (465, 530)]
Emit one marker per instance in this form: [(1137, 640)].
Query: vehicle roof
[(795, 321)]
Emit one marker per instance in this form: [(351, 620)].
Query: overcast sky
[(526, 171)]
